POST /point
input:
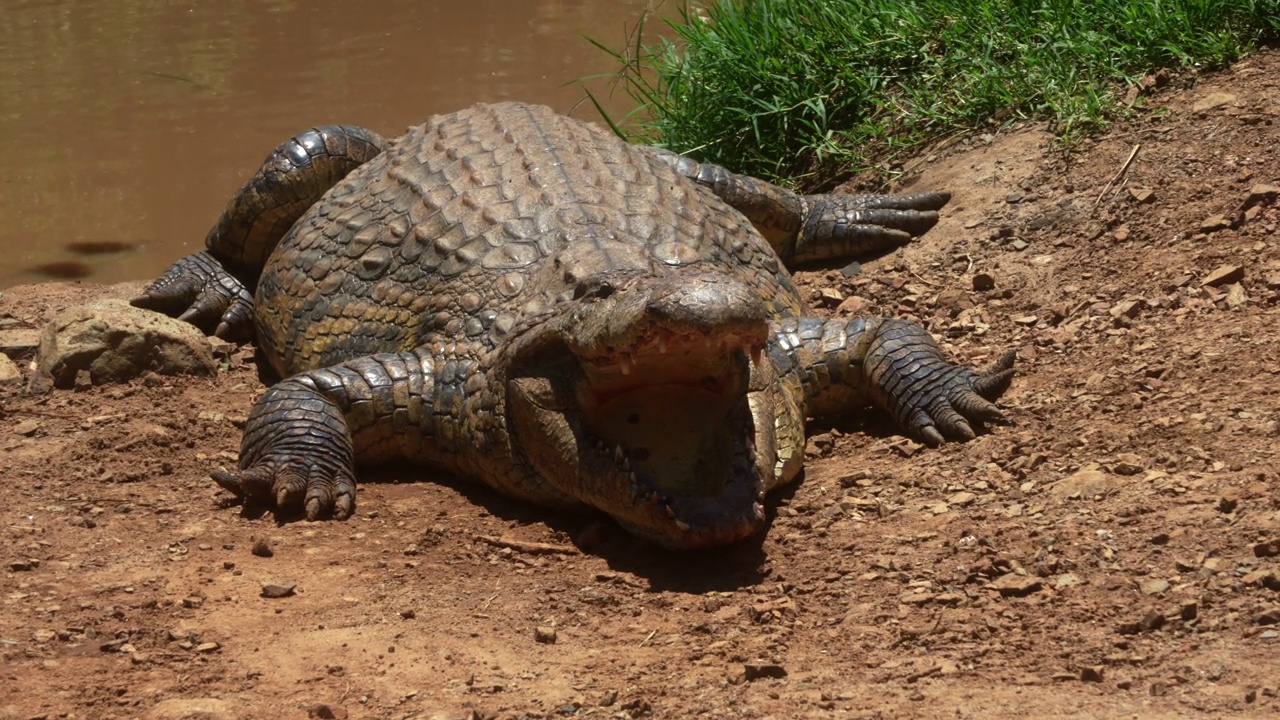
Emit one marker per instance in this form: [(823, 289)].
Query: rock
[(183, 708), (1092, 673), (1214, 223), (1128, 464), (1066, 580), (1265, 578), (852, 305), (262, 548), (26, 428), (328, 712), (18, 342), (1150, 622), (1129, 308), (1236, 296), (1142, 194), (852, 269), (961, 498), (1155, 587), (1019, 245), (757, 671), (983, 281), (1268, 617), (545, 634), (1014, 197), (1213, 100), (278, 590), (24, 565), (208, 647), (1085, 484), (954, 301), (9, 371), (830, 297), (1015, 585), (1223, 275), (1271, 548), (115, 341), (1189, 611), (1261, 193)]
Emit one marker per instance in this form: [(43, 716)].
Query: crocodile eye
[(593, 288)]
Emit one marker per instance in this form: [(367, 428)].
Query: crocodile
[(513, 296)]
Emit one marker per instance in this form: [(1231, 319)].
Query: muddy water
[(126, 126)]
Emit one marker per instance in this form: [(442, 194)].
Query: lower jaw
[(687, 536)]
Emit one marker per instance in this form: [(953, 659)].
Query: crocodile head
[(637, 398)]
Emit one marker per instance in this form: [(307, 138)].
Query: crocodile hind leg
[(816, 228), (214, 288), (844, 363)]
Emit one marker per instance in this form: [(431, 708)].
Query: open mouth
[(659, 433)]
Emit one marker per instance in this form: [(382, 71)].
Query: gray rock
[(115, 342)]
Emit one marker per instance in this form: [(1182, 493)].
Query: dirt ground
[(1114, 552)]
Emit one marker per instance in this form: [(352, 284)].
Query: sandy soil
[(1115, 552)]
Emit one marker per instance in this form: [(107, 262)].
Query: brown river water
[(126, 126)]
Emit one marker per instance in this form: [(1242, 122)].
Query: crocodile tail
[(292, 178)]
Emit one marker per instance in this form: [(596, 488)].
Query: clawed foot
[(294, 485), (200, 291), (840, 225), (297, 454), (932, 399)]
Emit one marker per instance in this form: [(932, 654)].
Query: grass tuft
[(802, 91)]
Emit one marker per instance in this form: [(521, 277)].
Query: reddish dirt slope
[(1113, 553)]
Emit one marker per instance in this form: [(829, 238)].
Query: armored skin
[(520, 298)]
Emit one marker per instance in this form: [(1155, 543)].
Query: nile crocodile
[(513, 296)]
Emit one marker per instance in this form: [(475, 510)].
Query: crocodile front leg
[(216, 285), (305, 434), (845, 363), (815, 228)]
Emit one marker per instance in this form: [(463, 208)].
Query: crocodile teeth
[(654, 497), (625, 363), (755, 353), (684, 526), (671, 512), (619, 455), (662, 344)]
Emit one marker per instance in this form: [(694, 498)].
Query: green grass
[(804, 91)]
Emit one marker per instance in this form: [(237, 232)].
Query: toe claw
[(930, 435), (344, 506)]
